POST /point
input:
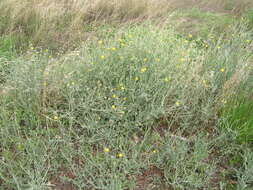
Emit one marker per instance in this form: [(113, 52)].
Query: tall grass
[(64, 24), (135, 105), (92, 111), (187, 82), (239, 117)]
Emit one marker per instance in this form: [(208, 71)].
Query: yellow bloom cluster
[(106, 150), (120, 155), (143, 70)]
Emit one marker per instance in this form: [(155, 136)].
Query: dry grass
[(82, 11), (151, 94), (235, 7), (65, 23)]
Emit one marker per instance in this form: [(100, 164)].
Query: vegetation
[(96, 97)]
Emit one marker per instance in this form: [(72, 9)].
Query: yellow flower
[(158, 60), (182, 59), (190, 36), (166, 79), (143, 70), (113, 49), (45, 83), (114, 96), (130, 36), (222, 70), (122, 88), (120, 155), (55, 117), (125, 99), (100, 41), (136, 78), (106, 150), (155, 151), (205, 83), (102, 57), (113, 107), (145, 59), (177, 103), (218, 47)]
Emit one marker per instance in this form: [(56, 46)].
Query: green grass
[(239, 118), (7, 52), (249, 16), (136, 107), (202, 23), (7, 46)]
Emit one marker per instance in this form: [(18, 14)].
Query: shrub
[(67, 109)]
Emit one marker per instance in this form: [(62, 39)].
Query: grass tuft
[(140, 103)]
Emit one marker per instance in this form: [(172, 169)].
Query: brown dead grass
[(57, 183), (146, 179), (235, 7), (66, 23), (84, 10)]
